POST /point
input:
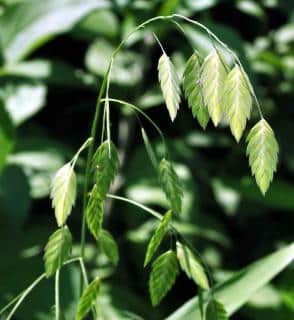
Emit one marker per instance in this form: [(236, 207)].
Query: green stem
[(57, 301), (154, 213), (24, 295)]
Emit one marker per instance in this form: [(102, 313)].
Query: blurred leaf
[(216, 311), (37, 22), (127, 67), (23, 101), (6, 135), (235, 292), (39, 158), (15, 199), (251, 7), (200, 5), (52, 71), (97, 23)]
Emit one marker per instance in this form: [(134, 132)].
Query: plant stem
[(57, 301), (24, 295), (154, 213)]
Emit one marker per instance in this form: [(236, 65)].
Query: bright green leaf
[(63, 193), (192, 267), (262, 150), (157, 237), (57, 250), (213, 76), (163, 276), (193, 92), (170, 85), (88, 299), (237, 101)]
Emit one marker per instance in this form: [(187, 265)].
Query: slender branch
[(57, 295), (154, 213), (132, 106), (24, 295)]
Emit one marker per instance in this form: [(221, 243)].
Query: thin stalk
[(25, 294), (84, 272), (57, 295), (132, 106), (154, 213)]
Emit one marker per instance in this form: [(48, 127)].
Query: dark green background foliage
[(53, 55)]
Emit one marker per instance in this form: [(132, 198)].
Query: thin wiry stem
[(57, 295), (24, 295), (132, 106)]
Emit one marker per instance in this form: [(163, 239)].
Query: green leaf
[(216, 311), (163, 276), (95, 212), (213, 76), (37, 22), (105, 162), (57, 250), (191, 266), (262, 150), (237, 290), (171, 185), (237, 101), (88, 299), (157, 237), (109, 246), (63, 192), (170, 85), (193, 92)]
